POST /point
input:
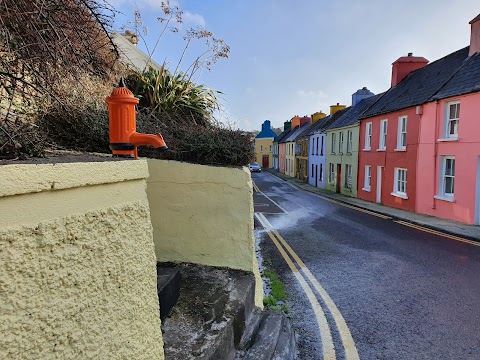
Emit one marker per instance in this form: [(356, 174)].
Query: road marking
[(328, 348), (338, 202), (255, 187), (435, 232), (351, 352), (276, 204)]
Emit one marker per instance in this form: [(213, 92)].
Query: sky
[(292, 58)]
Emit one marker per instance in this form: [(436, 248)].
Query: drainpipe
[(435, 151)]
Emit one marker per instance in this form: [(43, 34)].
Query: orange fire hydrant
[(124, 138)]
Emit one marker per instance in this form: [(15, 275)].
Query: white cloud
[(194, 19)]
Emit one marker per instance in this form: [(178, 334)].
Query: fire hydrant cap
[(121, 93)]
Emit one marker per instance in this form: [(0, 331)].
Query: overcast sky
[(298, 57)]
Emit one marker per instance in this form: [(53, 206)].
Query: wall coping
[(16, 179)]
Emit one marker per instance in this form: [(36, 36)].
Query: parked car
[(254, 167)]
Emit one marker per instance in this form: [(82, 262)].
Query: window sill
[(402, 196), (444, 198), (349, 154), (400, 150), (381, 149), (367, 149), (366, 189), (340, 153), (332, 154), (448, 139)]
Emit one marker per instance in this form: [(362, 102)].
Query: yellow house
[(264, 145)]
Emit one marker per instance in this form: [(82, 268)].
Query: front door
[(316, 175), (265, 163), (379, 183), (339, 177)]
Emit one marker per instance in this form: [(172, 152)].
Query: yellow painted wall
[(264, 147), (78, 269), (203, 215)]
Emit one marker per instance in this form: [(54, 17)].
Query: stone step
[(266, 339), (168, 289), (251, 330)]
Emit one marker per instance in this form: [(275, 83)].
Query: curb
[(427, 226)]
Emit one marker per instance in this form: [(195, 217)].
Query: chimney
[(304, 120), (335, 108), (317, 116), (287, 125), (474, 36), (295, 121), (361, 94), (266, 125), (405, 65)]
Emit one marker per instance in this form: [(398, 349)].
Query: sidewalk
[(471, 232)]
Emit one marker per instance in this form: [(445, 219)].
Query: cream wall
[(78, 275), (203, 215)]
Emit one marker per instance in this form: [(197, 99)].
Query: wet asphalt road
[(404, 293)]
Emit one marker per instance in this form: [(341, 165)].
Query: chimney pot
[(410, 54)]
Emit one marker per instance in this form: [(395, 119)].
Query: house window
[(447, 181), (286, 165), (261, 148), (331, 178), (340, 145), (349, 141), (320, 176), (312, 170), (383, 135), (311, 145), (400, 182), (270, 148), (368, 178), (321, 147), (334, 142), (348, 176), (317, 146), (368, 136), (402, 133), (452, 119)]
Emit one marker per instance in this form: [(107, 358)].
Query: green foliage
[(274, 301), (163, 92)]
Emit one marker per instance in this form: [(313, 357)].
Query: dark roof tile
[(353, 115), (419, 86)]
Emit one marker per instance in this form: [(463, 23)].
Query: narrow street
[(364, 286)]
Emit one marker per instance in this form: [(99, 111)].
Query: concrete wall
[(78, 275), (342, 159), (264, 147), (203, 215), (390, 159), (466, 151)]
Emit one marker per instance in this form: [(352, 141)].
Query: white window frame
[(402, 133), (382, 143), (317, 146), (312, 145), (270, 147), (261, 148), (331, 177), (400, 183), (367, 181), (321, 145), (442, 195), (348, 176), (320, 175), (313, 174), (334, 142), (448, 120), (349, 141), (368, 136), (340, 142)]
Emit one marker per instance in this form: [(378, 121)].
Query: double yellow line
[(255, 187), (328, 348)]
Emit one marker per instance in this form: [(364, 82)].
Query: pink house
[(448, 166)]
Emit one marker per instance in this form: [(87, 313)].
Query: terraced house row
[(415, 146)]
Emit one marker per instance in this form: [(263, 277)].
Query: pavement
[(471, 232)]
